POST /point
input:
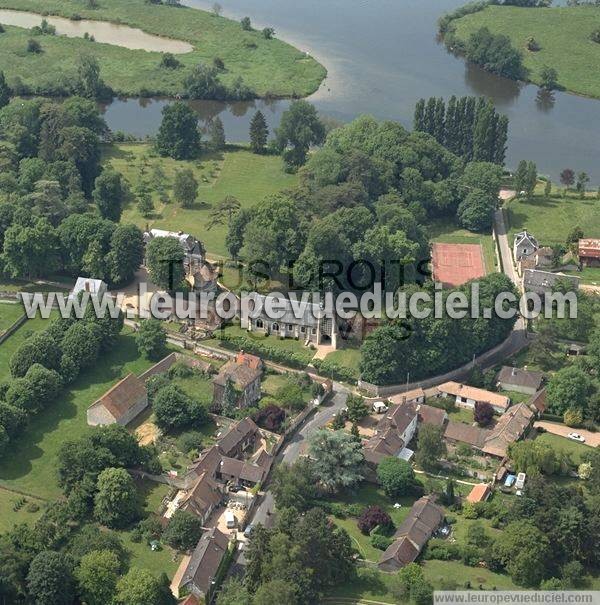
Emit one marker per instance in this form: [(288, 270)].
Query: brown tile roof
[(208, 462), (538, 401), (203, 496), (409, 396), (431, 415), (122, 396), (510, 428), (424, 518), (459, 431), (589, 248), (205, 560), (241, 470), (241, 374), (467, 392), (399, 417), (252, 361), (382, 445), (190, 600), (236, 434), (479, 493), (520, 377)]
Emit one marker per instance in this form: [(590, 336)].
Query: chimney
[(87, 286), (514, 371)]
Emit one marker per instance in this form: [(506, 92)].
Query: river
[(382, 56)]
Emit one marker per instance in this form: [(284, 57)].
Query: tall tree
[(126, 253), (5, 91), (50, 579), (97, 575), (431, 447), (338, 459), (178, 135), (109, 194), (185, 188), (258, 132), (164, 260), (116, 502), (151, 339), (217, 134), (299, 128)]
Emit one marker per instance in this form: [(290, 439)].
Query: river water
[(382, 56), (110, 33)]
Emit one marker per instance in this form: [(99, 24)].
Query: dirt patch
[(456, 264), (147, 433)]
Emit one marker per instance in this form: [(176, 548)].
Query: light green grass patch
[(347, 358), (238, 172), (10, 517), (558, 443), (551, 219), (9, 313), (269, 67), (563, 34), (31, 462)]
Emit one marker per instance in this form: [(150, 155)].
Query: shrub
[(380, 542), (595, 36), (372, 517), (33, 46)]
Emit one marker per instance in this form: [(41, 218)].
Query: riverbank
[(562, 34), (269, 67)]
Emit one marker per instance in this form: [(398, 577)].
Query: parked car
[(379, 407), (248, 530), (576, 437), (230, 519)]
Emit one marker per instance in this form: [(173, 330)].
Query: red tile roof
[(480, 493)]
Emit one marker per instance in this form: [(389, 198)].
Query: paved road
[(508, 266), (289, 454)]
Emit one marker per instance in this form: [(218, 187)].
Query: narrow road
[(591, 439), (508, 266)]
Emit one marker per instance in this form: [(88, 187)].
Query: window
[(290, 327), (302, 329), (275, 327), (314, 330), (259, 323)]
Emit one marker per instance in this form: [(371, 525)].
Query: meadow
[(269, 67), (236, 171), (562, 33)]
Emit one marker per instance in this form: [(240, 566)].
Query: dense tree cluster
[(417, 348), (495, 53), (48, 360), (470, 127), (50, 171), (306, 553)]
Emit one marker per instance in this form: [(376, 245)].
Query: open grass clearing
[(269, 67), (236, 171), (348, 358), (551, 219), (9, 313), (9, 517), (558, 443), (31, 462), (562, 33)]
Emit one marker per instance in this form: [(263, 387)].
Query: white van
[(229, 519)]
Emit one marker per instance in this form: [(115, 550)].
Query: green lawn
[(446, 231), (198, 386), (247, 176), (459, 414), (552, 219), (347, 358), (9, 313), (30, 463), (558, 443), (9, 517), (438, 571), (14, 341), (269, 67), (368, 495), (563, 34)]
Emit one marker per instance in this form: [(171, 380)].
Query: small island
[(557, 45), (246, 63)]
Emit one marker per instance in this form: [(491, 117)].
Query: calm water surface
[(109, 33), (382, 56)]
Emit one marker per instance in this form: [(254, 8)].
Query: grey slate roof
[(520, 377)]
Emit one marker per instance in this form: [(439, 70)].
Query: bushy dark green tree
[(151, 339), (259, 132), (178, 136)]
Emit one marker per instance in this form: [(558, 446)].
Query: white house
[(524, 245), (467, 396), (95, 287)]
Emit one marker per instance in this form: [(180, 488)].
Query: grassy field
[(447, 232), (563, 34), (9, 517), (237, 171), (558, 443), (30, 464), (347, 358), (11, 344), (9, 313), (269, 67), (551, 219)]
